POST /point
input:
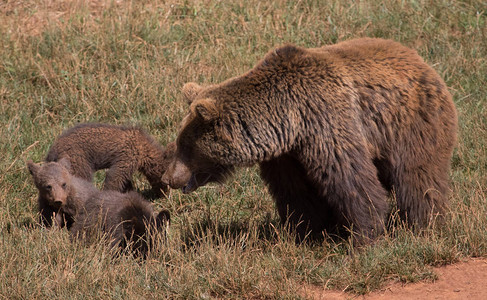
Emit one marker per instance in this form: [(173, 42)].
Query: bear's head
[(141, 228), (204, 145), (157, 226), (53, 180)]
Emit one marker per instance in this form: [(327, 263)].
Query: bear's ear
[(284, 55), (190, 90), (162, 219), (65, 162), (33, 168), (206, 109), (288, 51)]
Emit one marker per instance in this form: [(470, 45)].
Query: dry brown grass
[(63, 62)]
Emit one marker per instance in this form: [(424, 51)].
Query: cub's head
[(142, 232), (53, 180), (204, 147)]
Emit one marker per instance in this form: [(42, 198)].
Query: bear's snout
[(58, 195), (177, 175), (59, 199)]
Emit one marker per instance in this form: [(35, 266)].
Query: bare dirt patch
[(464, 280)]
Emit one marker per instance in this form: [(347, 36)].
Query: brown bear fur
[(124, 217), (121, 150), (334, 129), (54, 185)]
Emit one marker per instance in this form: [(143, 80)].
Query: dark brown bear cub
[(334, 129), (121, 150), (127, 218)]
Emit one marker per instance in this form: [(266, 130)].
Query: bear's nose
[(165, 179), (177, 174)]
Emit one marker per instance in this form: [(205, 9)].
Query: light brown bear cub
[(121, 150), (334, 130), (125, 217)]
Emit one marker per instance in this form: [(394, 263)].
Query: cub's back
[(93, 141)]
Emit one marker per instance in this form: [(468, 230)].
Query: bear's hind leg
[(421, 192)]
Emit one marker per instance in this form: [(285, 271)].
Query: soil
[(464, 280)]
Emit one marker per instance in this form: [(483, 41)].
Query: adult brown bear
[(334, 129)]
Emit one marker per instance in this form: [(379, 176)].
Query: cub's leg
[(119, 178)]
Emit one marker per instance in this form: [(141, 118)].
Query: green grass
[(64, 62)]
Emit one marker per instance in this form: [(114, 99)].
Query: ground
[(64, 62), (464, 280)]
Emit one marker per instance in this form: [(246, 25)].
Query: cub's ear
[(65, 162), (162, 219), (205, 108), (190, 90), (33, 167)]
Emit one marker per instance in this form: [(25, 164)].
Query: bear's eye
[(63, 185), (48, 187)]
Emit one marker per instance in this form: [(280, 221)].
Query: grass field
[(124, 62)]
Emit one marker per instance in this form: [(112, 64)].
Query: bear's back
[(120, 215), (97, 143), (381, 61), (367, 61), (378, 65)]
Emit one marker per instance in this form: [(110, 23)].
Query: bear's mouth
[(57, 204), (196, 180)]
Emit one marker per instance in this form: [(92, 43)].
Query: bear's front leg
[(119, 178), (347, 180), (297, 200)]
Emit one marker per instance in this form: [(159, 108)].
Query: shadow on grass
[(264, 233)]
